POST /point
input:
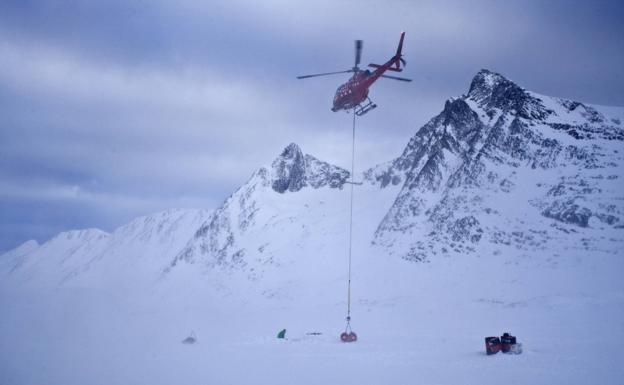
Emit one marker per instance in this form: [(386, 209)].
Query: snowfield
[(417, 323), (505, 213)]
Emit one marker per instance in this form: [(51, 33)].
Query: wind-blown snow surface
[(504, 213)]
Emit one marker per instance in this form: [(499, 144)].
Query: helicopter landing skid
[(362, 109)]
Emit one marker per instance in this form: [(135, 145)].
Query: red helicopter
[(354, 92)]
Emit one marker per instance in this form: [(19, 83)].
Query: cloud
[(82, 105)]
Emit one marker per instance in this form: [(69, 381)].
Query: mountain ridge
[(474, 142), (446, 193)]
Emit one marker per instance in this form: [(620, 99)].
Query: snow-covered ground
[(417, 323)]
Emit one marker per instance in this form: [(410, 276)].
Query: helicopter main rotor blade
[(323, 74), (396, 78), (358, 52)]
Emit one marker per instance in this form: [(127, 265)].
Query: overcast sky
[(115, 109)]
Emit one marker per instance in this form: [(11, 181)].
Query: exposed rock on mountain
[(236, 229), (496, 139), (292, 171)]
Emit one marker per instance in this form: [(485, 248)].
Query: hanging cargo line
[(353, 95), (349, 335)]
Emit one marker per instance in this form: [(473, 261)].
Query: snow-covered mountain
[(502, 165), (499, 167), (132, 253), (277, 202)]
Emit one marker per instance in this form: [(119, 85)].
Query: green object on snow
[(282, 334)]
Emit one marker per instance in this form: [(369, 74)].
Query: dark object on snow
[(507, 340), (314, 334), (190, 339), (348, 337), (492, 345), (282, 334)]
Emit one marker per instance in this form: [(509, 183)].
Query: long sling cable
[(351, 225)]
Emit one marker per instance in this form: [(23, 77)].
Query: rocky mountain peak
[(492, 91), (480, 144), (217, 240), (485, 82), (292, 151), (293, 170), (289, 170)]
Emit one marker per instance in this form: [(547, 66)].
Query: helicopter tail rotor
[(399, 56), (400, 47), (396, 61)]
